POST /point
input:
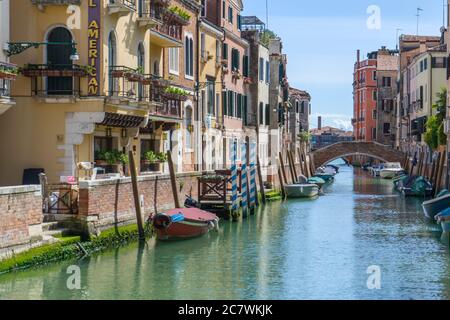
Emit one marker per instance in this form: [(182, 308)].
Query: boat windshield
[(395, 165)]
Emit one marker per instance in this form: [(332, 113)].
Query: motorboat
[(301, 190), (317, 181), (324, 176), (375, 170), (184, 223), (416, 187), (333, 167), (433, 207), (391, 170)]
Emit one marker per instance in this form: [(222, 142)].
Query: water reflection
[(302, 249)]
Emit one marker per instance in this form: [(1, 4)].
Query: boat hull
[(194, 223), (324, 176), (301, 191), (432, 207), (388, 174)]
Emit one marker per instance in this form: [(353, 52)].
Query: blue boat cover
[(445, 213), (177, 217)]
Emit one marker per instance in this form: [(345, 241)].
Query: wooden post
[(283, 169), (293, 165), (305, 163), (433, 169), (137, 203), (440, 172), (280, 177), (302, 168), (261, 182), (173, 180), (436, 170), (313, 165)]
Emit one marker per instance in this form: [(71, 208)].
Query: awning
[(121, 120)]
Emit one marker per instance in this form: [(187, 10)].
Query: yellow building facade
[(88, 87)]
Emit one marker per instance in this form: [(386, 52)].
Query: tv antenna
[(418, 16)]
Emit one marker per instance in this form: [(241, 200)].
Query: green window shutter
[(267, 112), (224, 103), (239, 106)]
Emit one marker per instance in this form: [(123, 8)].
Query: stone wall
[(20, 217), (106, 203)]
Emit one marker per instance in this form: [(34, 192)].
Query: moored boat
[(333, 167), (444, 219), (301, 190), (184, 223), (317, 181), (416, 187), (391, 170), (433, 207), (325, 176)]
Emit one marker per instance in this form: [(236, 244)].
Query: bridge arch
[(357, 148)]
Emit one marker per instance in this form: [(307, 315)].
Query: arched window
[(141, 66), (58, 57), (112, 61), (189, 127)]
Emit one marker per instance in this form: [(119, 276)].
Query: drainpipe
[(199, 115)]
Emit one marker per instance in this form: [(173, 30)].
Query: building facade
[(365, 98), (8, 71), (299, 112)]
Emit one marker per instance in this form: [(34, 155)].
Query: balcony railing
[(121, 6), (152, 10), (127, 83), (56, 2), (56, 79), (172, 31)]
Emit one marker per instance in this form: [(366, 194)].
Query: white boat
[(301, 190), (391, 170)]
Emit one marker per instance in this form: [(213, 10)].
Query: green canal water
[(319, 249)]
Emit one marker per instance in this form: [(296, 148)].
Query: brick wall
[(20, 215), (105, 203)]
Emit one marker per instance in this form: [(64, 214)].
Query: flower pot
[(117, 73)]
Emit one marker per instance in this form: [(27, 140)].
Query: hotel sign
[(94, 8)]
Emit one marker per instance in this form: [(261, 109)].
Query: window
[(267, 115), (386, 128), (425, 64), (112, 58), (267, 72), (438, 62), (174, 60), (211, 96), (230, 14), (374, 133), (59, 55), (141, 65), (189, 56), (239, 21), (374, 95), (217, 51), (374, 114), (203, 13), (302, 109), (261, 69), (245, 65), (230, 111), (245, 110), (386, 82), (261, 113), (239, 106), (224, 103), (374, 75), (188, 123), (235, 60), (224, 9), (225, 51)]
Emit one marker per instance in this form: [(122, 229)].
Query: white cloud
[(341, 121)]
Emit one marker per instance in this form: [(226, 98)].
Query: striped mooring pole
[(253, 202), (244, 195), (234, 178)]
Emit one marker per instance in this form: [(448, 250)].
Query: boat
[(301, 190), (416, 187), (399, 180), (444, 219), (433, 207), (391, 170), (324, 176), (376, 169), (184, 223), (317, 181)]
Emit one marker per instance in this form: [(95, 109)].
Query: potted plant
[(162, 157), (150, 157), (117, 73), (173, 93), (111, 157), (178, 16)]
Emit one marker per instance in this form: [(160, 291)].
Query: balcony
[(56, 2), (151, 12), (7, 74), (167, 36), (127, 86), (121, 7), (55, 81)]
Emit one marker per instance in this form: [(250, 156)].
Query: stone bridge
[(346, 149)]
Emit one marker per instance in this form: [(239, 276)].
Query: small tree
[(434, 135)]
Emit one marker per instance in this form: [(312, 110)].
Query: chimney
[(319, 123)]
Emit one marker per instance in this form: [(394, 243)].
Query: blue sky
[(321, 39)]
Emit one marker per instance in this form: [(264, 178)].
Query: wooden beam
[(280, 177), (173, 180), (283, 169), (137, 203), (291, 167), (261, 182)]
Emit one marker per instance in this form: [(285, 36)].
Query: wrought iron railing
[(127, 3)]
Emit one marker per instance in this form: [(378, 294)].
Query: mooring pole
[(261, 182), (283, 169), (280, 177), (173, 180), (137, 203)]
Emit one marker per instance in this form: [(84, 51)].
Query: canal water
[(305, 249)]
